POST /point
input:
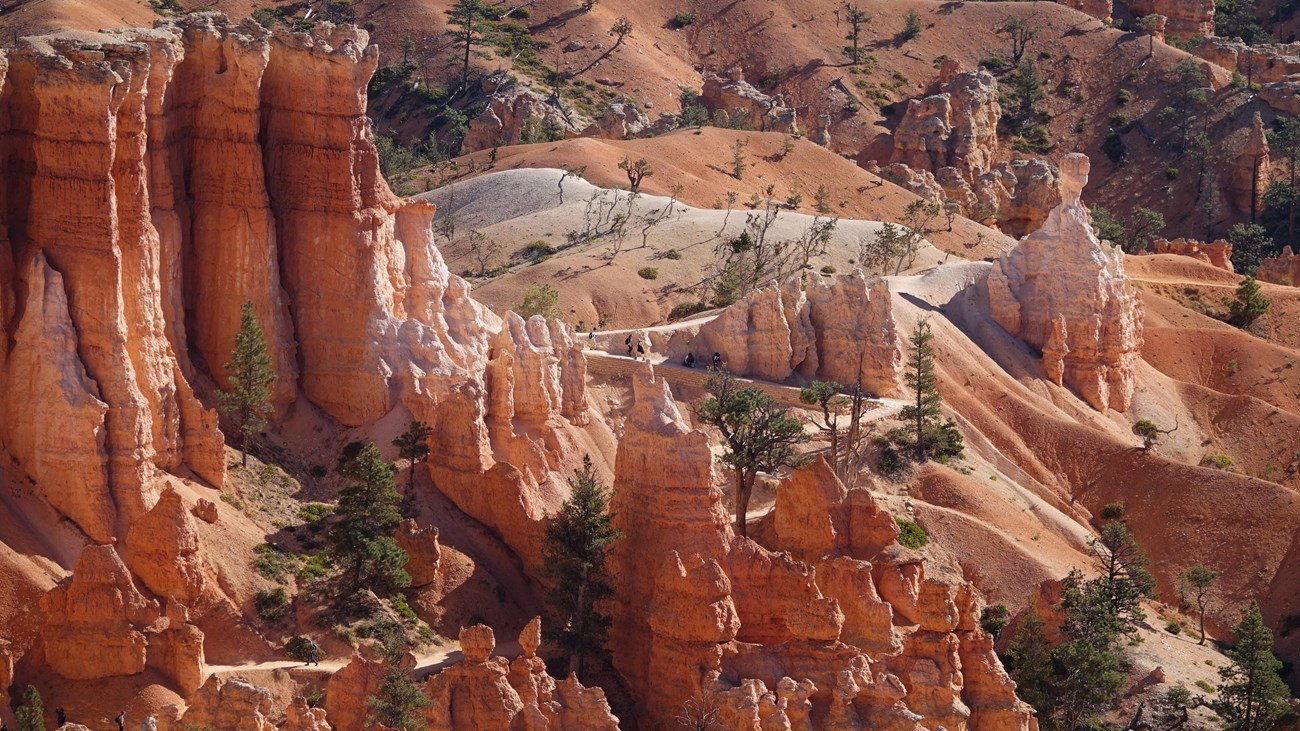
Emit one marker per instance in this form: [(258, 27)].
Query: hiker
[(61, 718), (690, 360), (717, 359), (591, 335), (628, 343), (640, 351), (121, 721), (313, 652)]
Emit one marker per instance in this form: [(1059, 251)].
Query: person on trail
[(640, 351), (121, 721), (313, 653), (690, 360), (60, 718), (717, 359), (591, 335), (628, 343)]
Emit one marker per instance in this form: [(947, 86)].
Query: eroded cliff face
[(840, 629), (1065, 293), (157, 180)]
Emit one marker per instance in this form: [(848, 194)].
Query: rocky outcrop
[(486, 692), (1283, 96), (1250, 168), (1099, 9), (734, 102), (1262, 64), (839, 329), (347, 690), (1014, 196), (162, 549), (1062, 277), (956, 127), (622, 120), (1216, 253), (514, 115), (423, 551), (1281, 269), (1186, 18), (298, 716), (704, 617), (231, 704)]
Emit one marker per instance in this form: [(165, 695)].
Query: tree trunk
[(744, 485), (1201, 602), (243, 441), (575, 660)]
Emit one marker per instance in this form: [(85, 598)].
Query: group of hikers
[(638, 345)]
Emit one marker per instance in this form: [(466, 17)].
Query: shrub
[(399, 603), (1112, 511), (648, 273), (539, 299), (315, 512), (315, 567), (537, 249), (673, 254), (272, 563), (993, 63), (1124, 97), (298, 648), (266, 17), (1208, 688), (911, 25), (681, 20), (1173, 628), (686, 309), (1171, 172), (995, 618), (271, 604), (828, 269), (1118, 120), (1248, 305), (910, 534), (1134, 75), (1218, 461), (1114, 147)]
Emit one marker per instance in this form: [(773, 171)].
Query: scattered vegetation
[(911, 25), (539, 299), (995, 618), (648, 273), (925, 435), (271, 604), (911, 534), (1134, 234)]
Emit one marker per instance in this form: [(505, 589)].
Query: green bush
[(828, 269), (648, 273), (273, 563), (1173, 628), (1114, 147), (1171, 172), (266, 17), (993, 63), (995, 618), (315, 567), (1124, 97), (1118, 120), (681, 20), (315, 512), (298, 648), (1218, 461), (1208, 688), (271, 604), (890, 461), (673, 254), (910, 534), (1112, 511), (537, 249), (399, 603), (686, 309)]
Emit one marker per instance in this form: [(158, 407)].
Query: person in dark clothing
[(313, 653), (121, 721), (628, 343), (690, 360), (60, 718), (640, 351), (717, 359)]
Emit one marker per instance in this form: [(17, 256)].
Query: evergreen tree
[(759, 436), (1252, 696), (1022, 98), (30, 716), (413, 445), (1250, 245), (1248, 305), (247, 403), (575, 547), (911, 25), (1087, 668), (465, 26), (856, 20), (1198, 580), (1284, 143), (1028, 659), (399, 701), (926, 435), (367, 517), (1124, 580)]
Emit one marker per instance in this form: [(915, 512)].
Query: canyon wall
[(157, 180)]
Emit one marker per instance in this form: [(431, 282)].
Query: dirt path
[(427, 662)]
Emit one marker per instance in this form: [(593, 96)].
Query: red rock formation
[(1062, 274), (1281, 269), (1250, 171), (956, 127), (773, 641), (839, 329), (1187, 18), (298, 716), (1099, 9), (1217, 253), (231, 704), (163, 550), (735, 102), (421, 546), (486, 692)]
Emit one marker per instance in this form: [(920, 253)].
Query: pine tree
[(399, 701), (1252, 696), (248, 401), (575, 547), (1248, 305), (1199, 580), (1124, 580), (759, 435), (413, 445), (856, 19), (1088, 675), (1028, 660), (367, 517), (30, 716), (926, 435), (465, 26)]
